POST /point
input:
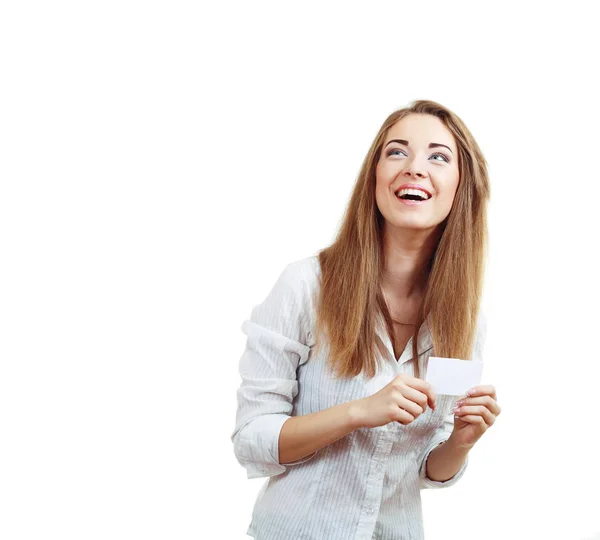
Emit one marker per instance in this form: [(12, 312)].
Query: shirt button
[(369, 512)]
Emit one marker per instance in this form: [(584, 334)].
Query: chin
[(415, 222), (413, 225)]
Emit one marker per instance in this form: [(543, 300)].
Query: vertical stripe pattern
[(365, 485)]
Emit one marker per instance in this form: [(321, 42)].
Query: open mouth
[(410, 194)]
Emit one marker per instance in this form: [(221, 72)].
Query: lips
[(414, 189), (411, 202)]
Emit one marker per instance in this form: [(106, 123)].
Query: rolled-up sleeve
[(275, 347), (440, 436), (442, 433)]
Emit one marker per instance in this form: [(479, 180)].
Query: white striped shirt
[(365, 485)]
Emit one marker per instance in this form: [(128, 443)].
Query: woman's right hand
[(401, 400)]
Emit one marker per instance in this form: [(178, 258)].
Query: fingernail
[(456, 409), (470, 392), (461, 402)]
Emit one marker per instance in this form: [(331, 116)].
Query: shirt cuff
[(427, 482), (258, 446)]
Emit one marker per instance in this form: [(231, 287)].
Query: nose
[(413, 171), (414, 168)]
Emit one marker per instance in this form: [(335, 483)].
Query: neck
[(405, 255)]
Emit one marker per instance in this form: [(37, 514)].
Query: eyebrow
[(431, 145)]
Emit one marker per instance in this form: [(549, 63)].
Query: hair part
[(351, 300)]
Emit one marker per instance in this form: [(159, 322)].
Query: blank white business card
[(453, 377)]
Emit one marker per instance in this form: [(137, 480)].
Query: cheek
[(385, 172), (446, 198), (451, 195), (381, 184), (450, 189), (379, 175), (379, 198)]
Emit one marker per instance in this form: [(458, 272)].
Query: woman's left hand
[(474, 414)]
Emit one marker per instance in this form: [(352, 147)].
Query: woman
[(333, 408)]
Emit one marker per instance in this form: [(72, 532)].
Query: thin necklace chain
[(403, 323)]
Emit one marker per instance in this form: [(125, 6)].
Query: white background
[(162, 162)]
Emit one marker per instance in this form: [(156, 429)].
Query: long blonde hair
[(351, 268)]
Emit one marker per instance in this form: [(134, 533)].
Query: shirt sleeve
[(442, 433), (275, 347)]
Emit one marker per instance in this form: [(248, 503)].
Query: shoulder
[(300, 277), (307, 268), (288, 308), (296, 284)]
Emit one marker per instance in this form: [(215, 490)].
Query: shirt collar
[(425, 341)]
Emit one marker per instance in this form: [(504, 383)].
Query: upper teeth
[(412, 191)]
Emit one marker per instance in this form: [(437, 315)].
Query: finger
[(424, 387), (410, 394), (475, 420), (408, 384), (477, 410), (415, 408), (486, 401), (402, 416), (483, 390)]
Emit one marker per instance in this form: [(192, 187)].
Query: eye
[(393, 150), (443, 155)]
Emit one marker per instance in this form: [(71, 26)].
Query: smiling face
[(419, 154)]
